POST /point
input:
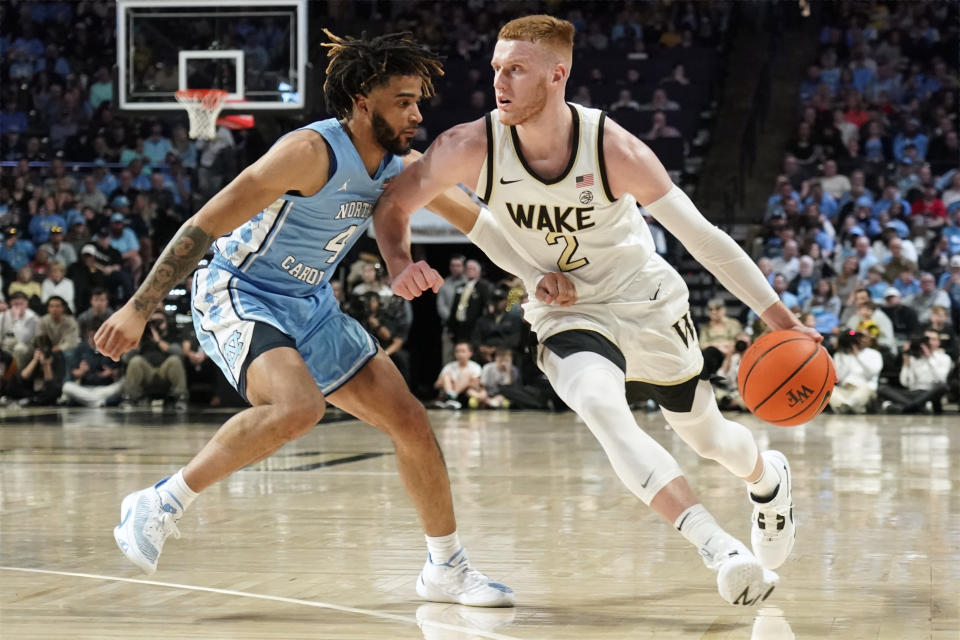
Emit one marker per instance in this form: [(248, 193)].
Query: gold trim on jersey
[(666, 384)]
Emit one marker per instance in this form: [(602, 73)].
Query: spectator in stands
[(96, 312), (18, 327), (951, 195), (370, 283), (457, 377), (788, 263), (27, 285), (781, 286), (16, 251), (903, 318), (944, 151), (908, 285), (896, 262), (40, 380), (101, 90), (853, 317), (59, 326), (496, 377), (96, 380), (156, 147), (59, 178), (912, 135), (184, 147), (930, 207), (803, 148), (858, 374), (92, 196), (834, 184), (720, 330), (875, 283), (677, 77), (57, 249), (390, 330), (929, 297), (156, 367), (923, 377), (57, 284), (624, 101), (940, 323), (444, 303), (469, 302), (660, 102), (497, 328), (660, 129), (45, 219), (125, 241), (802, 285)]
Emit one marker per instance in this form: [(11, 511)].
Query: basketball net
[(203, 106)]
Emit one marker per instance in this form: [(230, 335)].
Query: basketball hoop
[(203, 106)]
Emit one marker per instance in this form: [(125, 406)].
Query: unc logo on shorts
[(232, 349)]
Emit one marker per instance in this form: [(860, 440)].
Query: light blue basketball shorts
[(227, 309)]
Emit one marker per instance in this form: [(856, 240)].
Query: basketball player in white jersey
[(562, 183)]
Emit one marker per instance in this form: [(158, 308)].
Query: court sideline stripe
[(260, 596)]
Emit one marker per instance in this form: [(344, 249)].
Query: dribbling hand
[(415, 279), (556, 288), (120, 333)]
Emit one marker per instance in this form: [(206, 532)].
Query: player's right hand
[(415, 279), (121, 332), (556, 288)]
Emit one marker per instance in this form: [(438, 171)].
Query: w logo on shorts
[(233, 348)]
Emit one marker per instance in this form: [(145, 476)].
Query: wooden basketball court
[(320, 541)]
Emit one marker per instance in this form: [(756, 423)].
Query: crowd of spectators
[(89, 194), (861, 235)]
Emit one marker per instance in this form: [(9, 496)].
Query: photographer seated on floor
[(95, 381), (923, 376), (155, 369), (40, 381)]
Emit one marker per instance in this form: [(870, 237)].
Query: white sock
[(443, 548), (765, 486), (181, 495), (697, 525)]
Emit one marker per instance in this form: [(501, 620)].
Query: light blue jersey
[(295, 244), (266, 286)]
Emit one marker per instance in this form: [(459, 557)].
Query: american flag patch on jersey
[(585, 180)]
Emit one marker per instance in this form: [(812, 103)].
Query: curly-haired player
[(264, 312)]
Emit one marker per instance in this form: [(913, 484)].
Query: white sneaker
[(740, 577), (773, 530), (457, 582), (145, 523)]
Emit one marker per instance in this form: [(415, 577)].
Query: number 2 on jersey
[(338, 242), (566, 261)]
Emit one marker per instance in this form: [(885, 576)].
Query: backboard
[(255, 49)]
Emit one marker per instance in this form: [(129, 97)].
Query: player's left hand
[(415, 279), (810, 331), (556, 288), (779, 317)]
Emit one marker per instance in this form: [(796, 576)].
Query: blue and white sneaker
[(773, 529), (145, 522), (457, 582)]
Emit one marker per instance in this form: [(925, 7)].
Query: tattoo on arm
[(177, 260)]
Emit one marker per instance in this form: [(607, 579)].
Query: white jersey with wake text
[(569, 223)]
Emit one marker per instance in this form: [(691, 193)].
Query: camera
[(916, 346)]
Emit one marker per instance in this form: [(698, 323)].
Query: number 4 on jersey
[(338, 242), (566, 261)]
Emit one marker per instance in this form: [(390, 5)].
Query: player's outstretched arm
[(633, 168), (256, 187)]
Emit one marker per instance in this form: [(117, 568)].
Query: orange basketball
[(786, 378)]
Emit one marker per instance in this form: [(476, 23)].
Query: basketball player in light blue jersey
[(263, 310)]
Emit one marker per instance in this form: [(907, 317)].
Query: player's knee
[(409, 423), (301, 415)]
